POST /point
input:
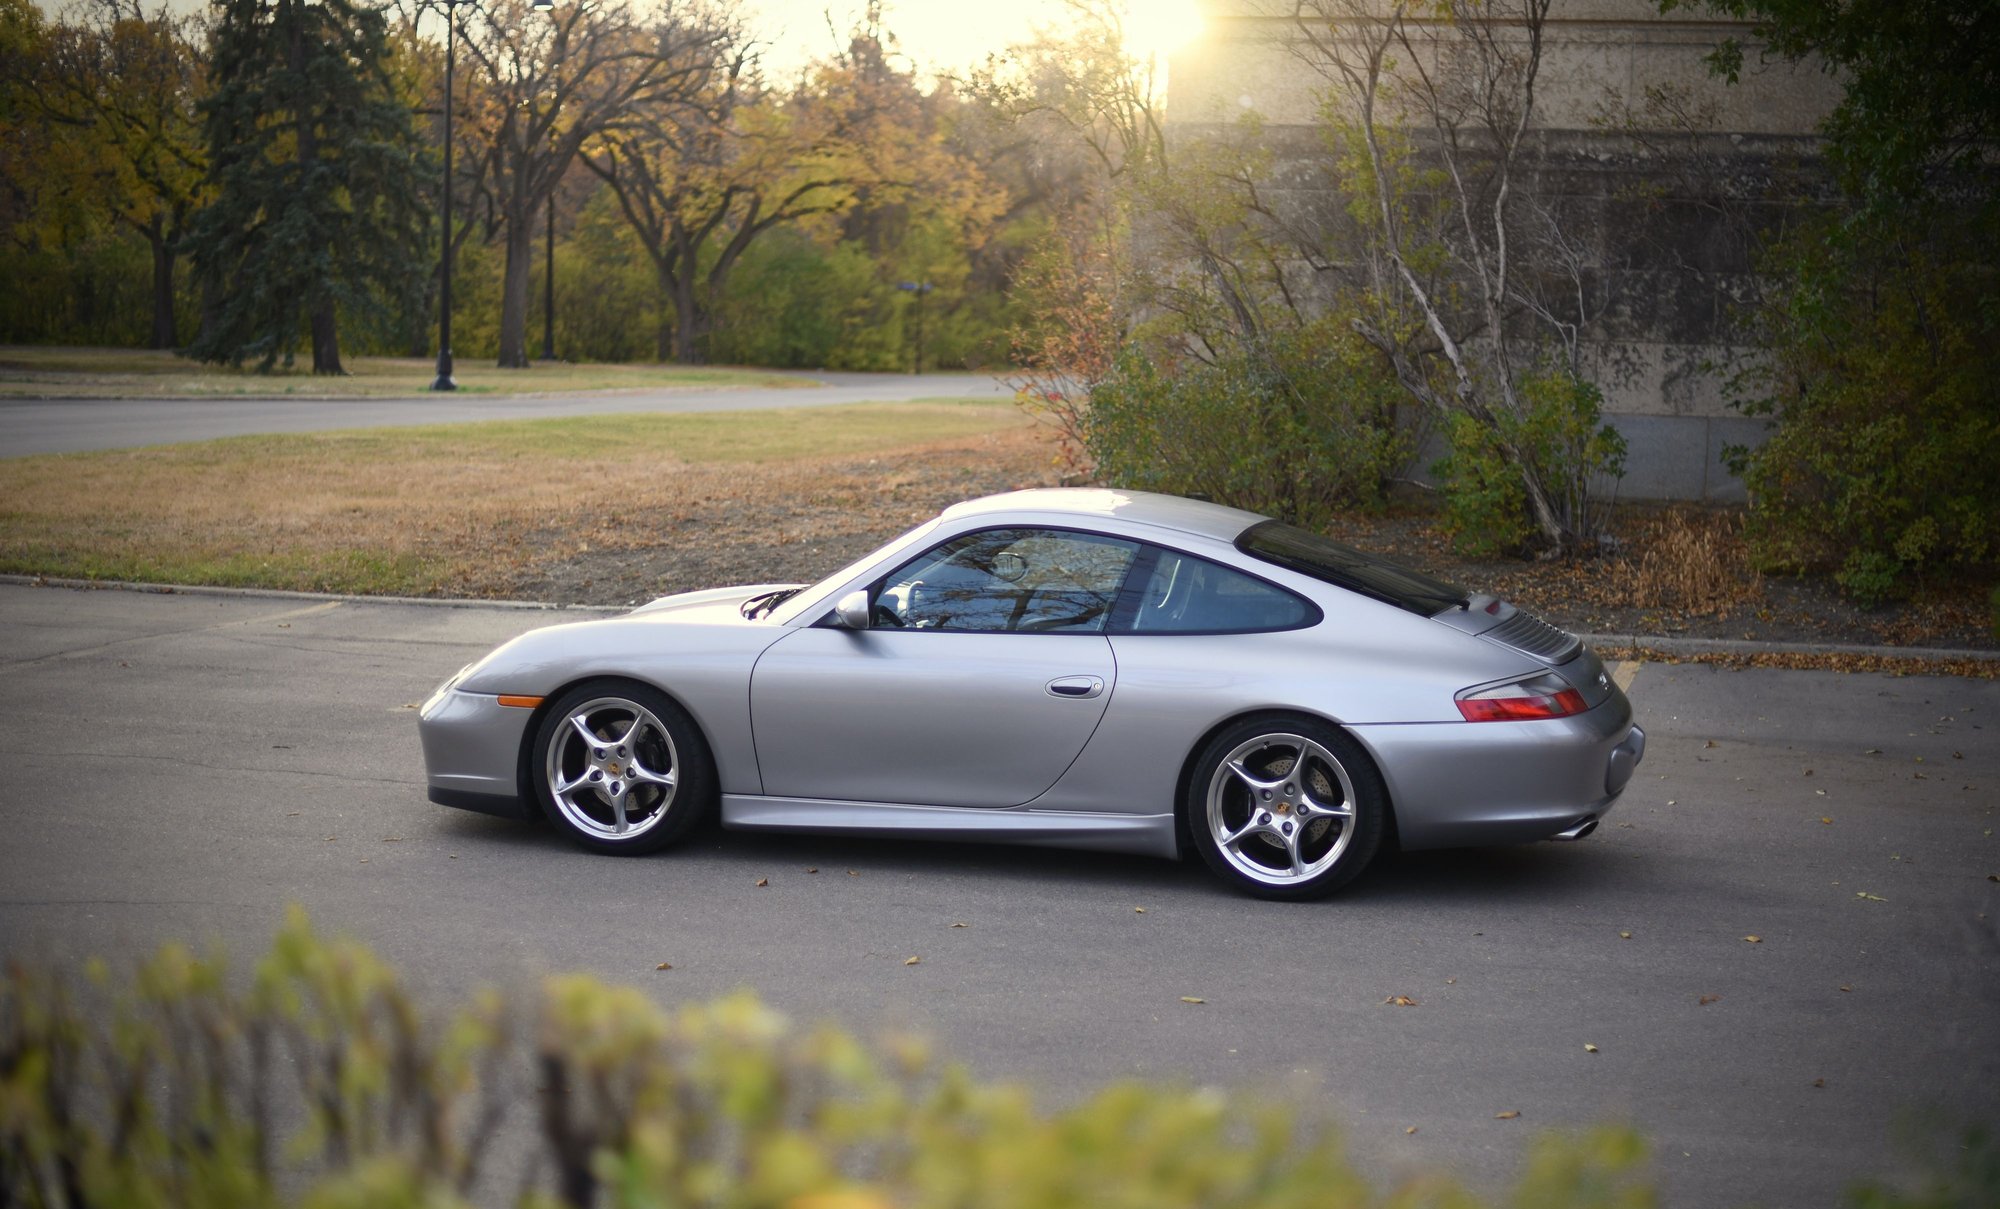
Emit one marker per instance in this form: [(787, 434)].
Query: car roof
[(1102, 503)]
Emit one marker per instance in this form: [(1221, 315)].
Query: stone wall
[(1669, 229)]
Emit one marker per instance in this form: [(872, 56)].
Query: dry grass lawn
[(602, 508), (121, 373)]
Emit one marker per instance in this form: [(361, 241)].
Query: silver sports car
[(1085, 668)]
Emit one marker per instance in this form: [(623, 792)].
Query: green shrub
[(1881, 362), (1297, 429), (1559, 435), (323, 1084)]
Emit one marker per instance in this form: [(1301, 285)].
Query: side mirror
[(852, 613)]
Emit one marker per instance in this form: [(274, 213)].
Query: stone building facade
[(1669, 219)]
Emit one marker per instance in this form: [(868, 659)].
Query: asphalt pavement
[(182, 766), (29, 426)]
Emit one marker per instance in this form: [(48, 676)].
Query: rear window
[(1329, 561)]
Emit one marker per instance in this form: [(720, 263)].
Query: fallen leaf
[(1873, 751), (1753, 939), (812, 870), (910, 961), (1847, 988), (1873, 898), (1624, 936), (284, 625), (1705, 1000), (1670, 801), (1192, 999), (763, 881), (1819, 1082), (1449, 981), (1509, 1115), (961, 925), (1412, 1129), (1958, 755), (1993, 877), (1588, 1048), (665, 965), (852, 873), (1710, 743), (1138, 910), (1827, 819), (1917, 776), (1401, 1001)]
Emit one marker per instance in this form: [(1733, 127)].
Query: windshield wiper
[(758, 606)]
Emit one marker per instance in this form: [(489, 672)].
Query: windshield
[(1345, 567)]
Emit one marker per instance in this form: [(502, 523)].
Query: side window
[(1189, 595), (1044, 580)]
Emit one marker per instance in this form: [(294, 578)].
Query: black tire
[(587, 788), (1260, 833)]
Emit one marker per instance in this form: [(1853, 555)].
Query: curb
[(1738, 646), (1661, 643)]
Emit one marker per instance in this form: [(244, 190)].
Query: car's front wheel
[(620, 768), (1286, 807)]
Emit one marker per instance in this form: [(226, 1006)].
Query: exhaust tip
[(1577, 832)]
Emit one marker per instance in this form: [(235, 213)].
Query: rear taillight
[(1544, 696)]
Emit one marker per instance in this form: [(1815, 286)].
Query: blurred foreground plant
[(322, 1084)]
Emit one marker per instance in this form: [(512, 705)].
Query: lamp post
[(444, 379), (919, 288)]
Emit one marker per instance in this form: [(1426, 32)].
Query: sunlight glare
[(1160, 27)]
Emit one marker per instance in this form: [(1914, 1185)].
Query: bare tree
[(550, 86), (1476, 285)]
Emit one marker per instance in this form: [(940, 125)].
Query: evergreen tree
[(315, 166)]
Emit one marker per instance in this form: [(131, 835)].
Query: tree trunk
[(514, 292), (326, 342), (163, 287), (663, 335), (690, 325)]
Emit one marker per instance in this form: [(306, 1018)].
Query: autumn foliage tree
[(548, 86), (121, 86)]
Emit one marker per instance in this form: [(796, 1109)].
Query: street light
[(444, 379), (919, 288)]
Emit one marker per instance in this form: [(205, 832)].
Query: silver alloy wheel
[(1281, 809), (612, 769)]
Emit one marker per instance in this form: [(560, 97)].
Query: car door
[(984, 674)]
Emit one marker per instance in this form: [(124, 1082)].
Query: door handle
[(1076, 686)]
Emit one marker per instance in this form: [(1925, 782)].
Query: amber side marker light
[(1547, 696), (520, 702)]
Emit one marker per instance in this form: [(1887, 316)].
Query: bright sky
[(942, 35)]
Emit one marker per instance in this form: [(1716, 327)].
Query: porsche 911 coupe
[(1082, 667)]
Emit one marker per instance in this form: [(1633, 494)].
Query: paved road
[(72, 425), (183, 766)]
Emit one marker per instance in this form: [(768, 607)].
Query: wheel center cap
[(612, 769), (1281, 808)]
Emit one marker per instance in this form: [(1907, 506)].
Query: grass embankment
[(108, 373), (548, 509)]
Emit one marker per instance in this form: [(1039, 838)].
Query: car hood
[(709, 605)]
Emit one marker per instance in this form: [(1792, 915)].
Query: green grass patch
[(113, 373)]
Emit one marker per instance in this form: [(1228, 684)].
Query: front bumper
[(472, 752), (1457, 784)]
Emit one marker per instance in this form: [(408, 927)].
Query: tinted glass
[(1039, 580), (1344, 566), (1188, 595)]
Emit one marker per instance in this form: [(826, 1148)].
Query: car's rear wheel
[(620, 768), (1286, 807)]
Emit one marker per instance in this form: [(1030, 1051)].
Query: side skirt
[(1141, 834)]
